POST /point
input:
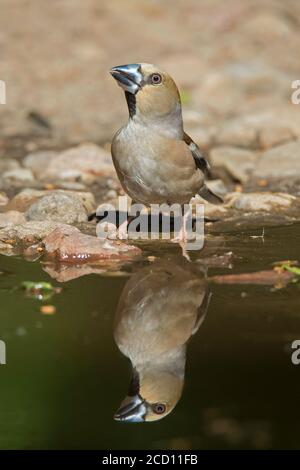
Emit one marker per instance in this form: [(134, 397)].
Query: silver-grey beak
[(132, 410), (128, 77)]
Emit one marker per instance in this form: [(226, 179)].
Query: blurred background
[(230, 59)]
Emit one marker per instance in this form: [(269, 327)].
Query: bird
[(155, 160), (160, 308)]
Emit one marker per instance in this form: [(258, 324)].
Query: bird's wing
[(200, 161), (204, 166), (202, 310)]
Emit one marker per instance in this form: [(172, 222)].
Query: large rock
[(70, 164), (58, 207), (26, 198), (68, 244), (238, 162), (279, 162), (11, 218)]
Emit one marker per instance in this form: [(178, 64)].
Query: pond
[(65, 375)]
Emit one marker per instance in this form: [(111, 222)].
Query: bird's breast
[(150, 171)]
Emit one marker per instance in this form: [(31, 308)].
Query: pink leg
[(122, 230), (181, 238)]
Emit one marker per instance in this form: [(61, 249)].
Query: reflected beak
[(132, 410), (128, 77)]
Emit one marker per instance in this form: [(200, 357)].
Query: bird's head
[(150, 92), (151, 399)]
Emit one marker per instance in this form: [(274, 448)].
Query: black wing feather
[(200, 161)]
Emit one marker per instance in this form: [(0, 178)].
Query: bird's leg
[(182, 234), (182, 237), (122, 230), (122, 233), (119, 231)]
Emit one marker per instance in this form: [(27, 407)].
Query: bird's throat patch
[(131, 103)]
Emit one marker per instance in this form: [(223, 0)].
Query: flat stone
[(259, 201), (28, 233), (238, 162), (68, 244), (282, 161)]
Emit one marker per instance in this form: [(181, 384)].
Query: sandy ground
[(229, 59)]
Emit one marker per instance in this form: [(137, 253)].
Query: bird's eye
[(156, 79), (159, 408)]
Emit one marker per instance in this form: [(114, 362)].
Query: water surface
[(65, 376)]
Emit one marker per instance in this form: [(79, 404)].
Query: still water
[(217, 356)]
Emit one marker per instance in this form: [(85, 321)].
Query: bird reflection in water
[(160, 308)]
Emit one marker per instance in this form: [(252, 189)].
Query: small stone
[(48, 309)]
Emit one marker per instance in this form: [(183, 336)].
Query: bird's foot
[(181, 240), (120, 233)]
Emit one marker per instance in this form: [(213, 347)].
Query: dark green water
[(65, 376)]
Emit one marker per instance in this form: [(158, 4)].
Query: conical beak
[(128, 77), (132, 410)]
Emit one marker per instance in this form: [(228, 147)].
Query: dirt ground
[(229, 59)]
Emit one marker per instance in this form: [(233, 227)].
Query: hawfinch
[(156, 161), (160, 308)]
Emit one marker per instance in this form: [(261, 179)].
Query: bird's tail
[(209, 196)]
